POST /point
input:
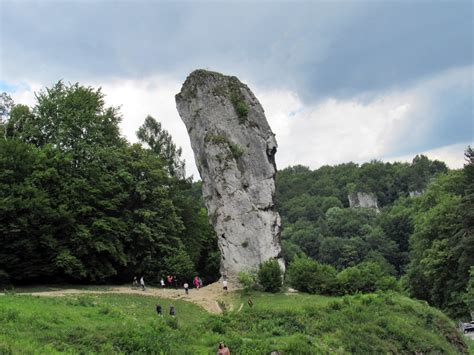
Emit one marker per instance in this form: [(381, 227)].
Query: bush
[(248, 280), (307, 275), (180, 265), (365, 277), (270, 276)]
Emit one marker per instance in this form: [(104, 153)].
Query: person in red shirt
[(223, 350), (196, 282)]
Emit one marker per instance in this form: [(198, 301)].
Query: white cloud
[(152, 96), (330, 132), (452, 155), (25, 93)]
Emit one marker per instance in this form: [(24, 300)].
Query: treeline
[(426, 241), (78, 203)]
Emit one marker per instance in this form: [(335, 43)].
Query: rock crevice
[(234, 149)]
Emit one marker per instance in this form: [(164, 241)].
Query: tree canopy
[(81, 204)]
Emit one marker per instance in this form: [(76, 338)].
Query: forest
[(80, 204)]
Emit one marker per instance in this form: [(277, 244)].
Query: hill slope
[(294, 324)]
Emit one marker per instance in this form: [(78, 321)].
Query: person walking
[(196, 282), (172, 311), (142, 283), (200, 282), (170, 280), (175, 280), (186, 288), (135, 282), (162, 283), (224, 285)]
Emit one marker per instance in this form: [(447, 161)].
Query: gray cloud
[(347, 50), (319, 49)]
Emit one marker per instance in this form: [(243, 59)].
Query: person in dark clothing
[(175, 280), (172, 311), (158, 310)]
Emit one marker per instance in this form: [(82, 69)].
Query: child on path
[(162, 283), (224, 284), (186, 288), (196, 282), (142, 283)]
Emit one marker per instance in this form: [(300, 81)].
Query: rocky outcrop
[(363, 199), (415, 193), (234, 149)]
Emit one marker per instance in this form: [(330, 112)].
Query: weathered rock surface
[(363, 199), (234, 149), (415, 193)]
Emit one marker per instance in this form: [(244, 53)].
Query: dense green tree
[(365, 277), (469, 298), (345, 222), (307, 275), (79, 203), (269, 276), (6, 105), (442, 245), (161, 143)]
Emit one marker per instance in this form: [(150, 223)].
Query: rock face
[(415, 193), (363, 199), (234, 149)]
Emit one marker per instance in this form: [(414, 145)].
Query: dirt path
[(206, 297)]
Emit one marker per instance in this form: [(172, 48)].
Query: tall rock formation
[(234, 149)]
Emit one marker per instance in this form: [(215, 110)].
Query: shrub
[(181, 265), (270, 276), (307, 275), (248, 280), (365, 277), (236, 151), (242, 109)]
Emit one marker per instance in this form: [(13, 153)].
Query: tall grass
[(294, 324)]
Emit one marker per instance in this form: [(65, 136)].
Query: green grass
[(470, 344), (294, 324), (98, 323)]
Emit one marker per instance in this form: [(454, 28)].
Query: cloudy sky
[(339, 80)]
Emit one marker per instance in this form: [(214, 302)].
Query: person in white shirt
[(142, 283)]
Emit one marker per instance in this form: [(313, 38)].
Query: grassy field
[(293, 324)]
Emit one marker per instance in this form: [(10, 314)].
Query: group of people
[(159, 310), (171, 281), (142, 283)]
